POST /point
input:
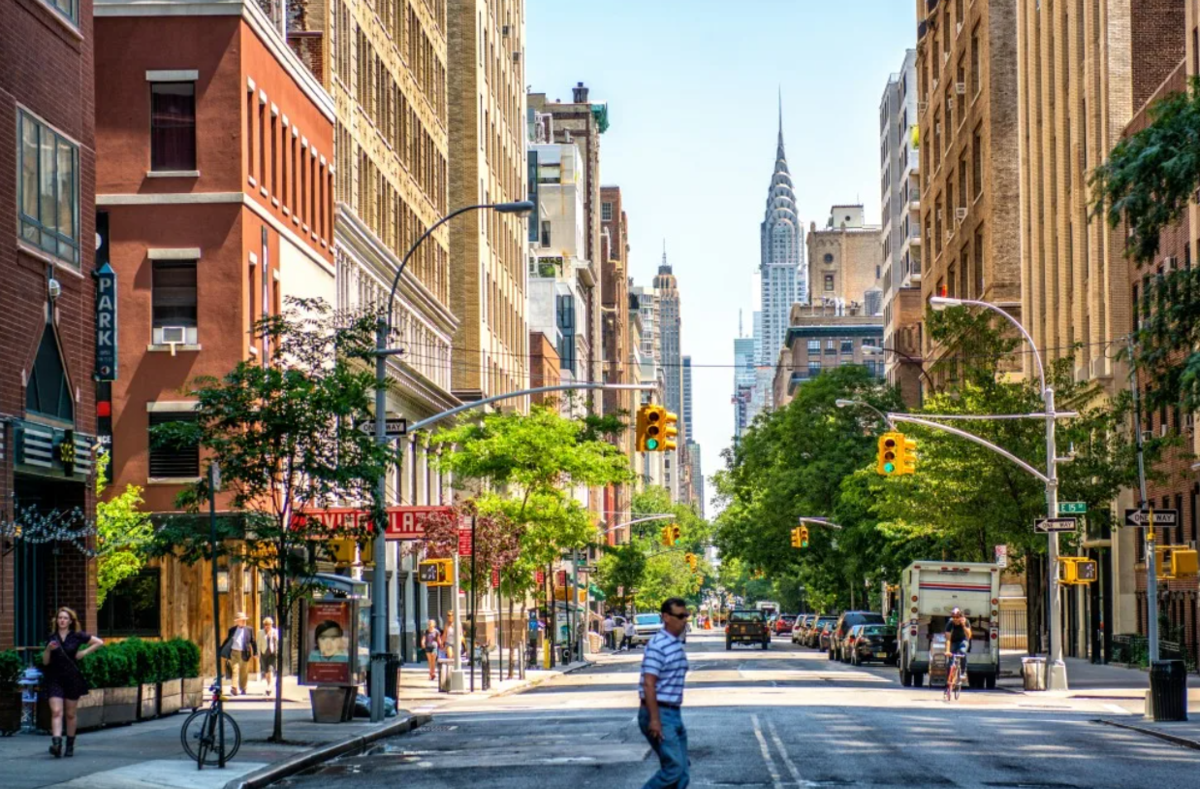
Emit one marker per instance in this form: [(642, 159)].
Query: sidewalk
[(1088, 680), (420, 694)]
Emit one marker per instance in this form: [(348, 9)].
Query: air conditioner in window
[(935, 83), (504, 30), (960, 214), (1172, 262), (950, 103), (516, 57), (1189, 422), (922, 106), (173, 335), (958, 28), (960, 88), (1147, 435)]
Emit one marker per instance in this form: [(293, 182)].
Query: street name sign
[(1072, 508), (1049, 525), (1142, 517), (394, 427)]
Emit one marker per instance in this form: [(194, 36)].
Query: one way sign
[(394, 427), (1142, 517)]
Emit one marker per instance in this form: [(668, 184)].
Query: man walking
[(664, 667), (607, 629), (627, 636), (238, 649)]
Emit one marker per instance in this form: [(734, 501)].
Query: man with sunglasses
[(664, 667)]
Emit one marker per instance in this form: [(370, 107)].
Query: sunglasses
[(684, 615)]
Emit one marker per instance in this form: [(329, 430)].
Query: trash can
[(1033, 670), (1167, 698), (391, 677)]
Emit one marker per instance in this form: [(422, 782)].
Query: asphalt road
[(786, 717)]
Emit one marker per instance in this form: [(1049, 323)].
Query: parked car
[(645, 626), (800, 627), (825, 634), (747, 626), (867, 643), (782, 624), (848, 620), (814, 633)]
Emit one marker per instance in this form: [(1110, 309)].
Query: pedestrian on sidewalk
[(664, 668), (239, 647), (64, 681), (432, 642), (270, 651), (630, 632), (607, 628), (452, 639)]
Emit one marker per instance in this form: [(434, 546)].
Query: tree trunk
[(282, 612)]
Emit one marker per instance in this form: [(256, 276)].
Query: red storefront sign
[(560, 578), (465, 543), (540, 577), (495, 577), (403, 523)]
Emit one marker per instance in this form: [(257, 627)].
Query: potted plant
[(170, 683), (11, 668), (144, 670), (189, 670), (120, 687)]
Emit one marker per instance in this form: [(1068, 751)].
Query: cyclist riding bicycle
[(958, 637)]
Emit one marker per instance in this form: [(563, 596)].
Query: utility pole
[(214, 482), (1151, 556)]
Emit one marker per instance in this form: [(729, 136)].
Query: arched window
[(49, 392)]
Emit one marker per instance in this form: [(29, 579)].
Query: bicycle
[(954, 677), (204, 741)]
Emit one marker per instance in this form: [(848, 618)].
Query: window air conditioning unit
[(938, 128), (1147, 435), (173, 335), (935, 83), (1162, 430), (958, 28), (960, 88), (1189, 422), (516, 57), (950, 103), (960, 214), (1172, 262), (504, 30), (922, 106)]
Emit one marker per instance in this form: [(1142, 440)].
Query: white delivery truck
[(929, 591)]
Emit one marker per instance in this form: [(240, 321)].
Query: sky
[(692, 88)]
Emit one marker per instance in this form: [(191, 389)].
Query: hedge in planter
[(109, 674), (11, 669)]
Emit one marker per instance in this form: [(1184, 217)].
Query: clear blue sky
[(691, 87)]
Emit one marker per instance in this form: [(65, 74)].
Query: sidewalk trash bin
[(443, 665), (1033, 669), (1167, 698), (391, 677)]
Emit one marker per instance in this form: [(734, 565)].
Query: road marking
[(766, 752), (787, 760), (1118, 710)]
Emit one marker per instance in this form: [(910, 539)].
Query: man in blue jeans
[(664, 667)]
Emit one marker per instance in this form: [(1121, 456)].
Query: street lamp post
[(1056, 674), (383, 331)]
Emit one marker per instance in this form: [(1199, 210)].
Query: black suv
[(844, 623)]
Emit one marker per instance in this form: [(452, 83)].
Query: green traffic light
[(652, 443), (889, 467)]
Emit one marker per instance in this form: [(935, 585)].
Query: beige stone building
[(845, 266), (967, 102), (818, 340), (486, 94)]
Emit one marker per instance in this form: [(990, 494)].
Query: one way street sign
[(393, 428), (1048, 525), (1142, 517)]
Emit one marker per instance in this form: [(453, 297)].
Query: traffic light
[(665, 536), (675, 531), (651, 421), (796, 537), (436, 572), (690, 558), (1172, 562), (669, 431), (889, 453), (1076, 570), (908, 456), (803, 536)]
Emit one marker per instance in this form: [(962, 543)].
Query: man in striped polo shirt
[(664, 667)]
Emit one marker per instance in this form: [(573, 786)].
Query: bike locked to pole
[(211, 735)]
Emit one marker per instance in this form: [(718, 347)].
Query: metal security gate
[(1013, 633)]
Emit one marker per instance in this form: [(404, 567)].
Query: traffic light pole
[(1151, 537)]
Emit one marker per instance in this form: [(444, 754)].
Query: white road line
[(787, 760), (1118, 710), (766, 752)]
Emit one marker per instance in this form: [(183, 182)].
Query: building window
[(606, 212), (132, 606), (828, 257), (48, 196), (977, 161), (814, 346), (830, 347), (545, 233), (173, 302), (68, 8), (48, 391), (828, 282), (172, 126), (168, 459), (814, 369), (847, 346)]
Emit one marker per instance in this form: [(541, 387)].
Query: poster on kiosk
[(330, 645)]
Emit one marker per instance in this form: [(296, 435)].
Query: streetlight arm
[(971, 437), (1037, 357), (521, 393), (911, 360), (883, 416), (983, 417)]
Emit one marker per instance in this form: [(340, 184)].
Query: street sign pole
[(1151, 571)]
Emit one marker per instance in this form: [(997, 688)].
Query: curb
[(533, 683), (301, 762), (1186, 742)]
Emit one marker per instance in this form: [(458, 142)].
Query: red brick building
[(47, 301), (1176, 486), (216, 169)]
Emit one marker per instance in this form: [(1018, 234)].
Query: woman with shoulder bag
[(64, 681), (431, 642), (270, 652)]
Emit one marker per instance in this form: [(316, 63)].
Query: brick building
[(215, 174), (844, 265), (47, 310), (967, 102), (821, 339), (614, 287)]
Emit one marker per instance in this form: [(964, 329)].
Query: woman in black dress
[(64, 681)]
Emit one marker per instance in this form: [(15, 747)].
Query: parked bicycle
[(954, 678), (211, 735)]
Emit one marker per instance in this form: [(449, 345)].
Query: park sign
[(106, 305)]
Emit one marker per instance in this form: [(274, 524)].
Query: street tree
[(283, 434), (124, 533)]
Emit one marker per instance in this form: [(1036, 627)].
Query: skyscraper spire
[(665, 268), (781, 121)]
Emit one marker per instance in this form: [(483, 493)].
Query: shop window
[(132, 607)]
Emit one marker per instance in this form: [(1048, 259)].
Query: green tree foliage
[(1146, 185), (283, 435), (123, 533)]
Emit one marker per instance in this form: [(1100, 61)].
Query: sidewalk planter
[(193, 693), (170, 696), (89, 712), (147, 701), (10, 712), (120, 706)]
